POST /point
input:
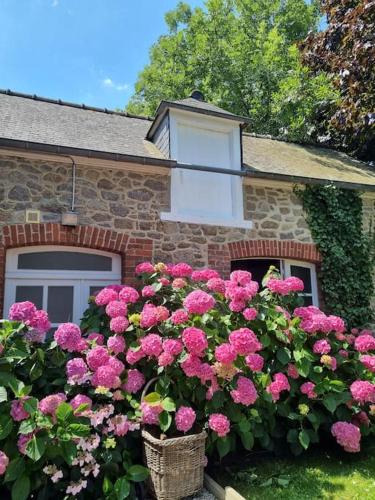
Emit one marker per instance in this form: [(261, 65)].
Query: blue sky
[(85, 51)]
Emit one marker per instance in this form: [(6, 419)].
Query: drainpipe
[(70, 217)]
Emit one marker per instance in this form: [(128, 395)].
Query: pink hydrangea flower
[(97, 337), (134, 381), (363, 391), (195, 340), (181, 270), (68, 336), (49, 404), (129, 295), (245, 392), (225, 353), (250, 313), (321, 347), (152, 345), (119, 425), (185, 418), (76, 370), (133, 356), (255, 362), (280, 383), (150, 414), (329, 361), (198, 302), (23, 441), (105, 296), (173, 346), (116, 344), (191, 366), (81, 399), (148, 291), (364, 343), (292, 371), (4, 461), (368, 362), (22, 311), (347, 435), (116, 308), (39, 322), (165, 359), (119, 324), (216, 285), (96, 357), (344, 353), (219, 423), (178, 283), (144, 267), (180, 316), (237, 305), (204, 275), (163, 313), (164, 281), (284, 287), (149, 316), (17, 411), (117, 366), (241, 278), (105, 376), (308, 389), (244, 341)]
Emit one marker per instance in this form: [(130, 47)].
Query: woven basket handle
[(147, 386)]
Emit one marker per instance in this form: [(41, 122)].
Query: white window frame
[(80, 280)]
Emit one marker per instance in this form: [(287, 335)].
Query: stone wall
[(130, 202)]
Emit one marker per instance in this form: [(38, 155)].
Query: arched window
[(58, 279)]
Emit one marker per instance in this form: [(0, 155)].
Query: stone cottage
[(87, 193)]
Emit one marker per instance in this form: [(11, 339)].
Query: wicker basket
[(176, 465)]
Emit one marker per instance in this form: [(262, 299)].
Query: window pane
[(257, 267), (70, 261), (60, 303), (32, 293), (307, 300), (95, 289), (304, 273)]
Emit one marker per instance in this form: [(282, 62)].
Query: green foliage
[(242, 55), (335, 219)]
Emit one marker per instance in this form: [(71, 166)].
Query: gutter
[(247, 170)]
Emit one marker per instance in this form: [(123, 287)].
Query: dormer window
[(202, 137)]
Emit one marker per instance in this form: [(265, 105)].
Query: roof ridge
[(73, 105)]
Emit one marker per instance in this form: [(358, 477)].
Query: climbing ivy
[(334, 216)]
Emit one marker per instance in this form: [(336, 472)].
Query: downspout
[(70, 217)]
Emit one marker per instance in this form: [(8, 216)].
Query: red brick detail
[(219, 258), (131, 250)]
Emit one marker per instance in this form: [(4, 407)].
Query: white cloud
[(109, 83)]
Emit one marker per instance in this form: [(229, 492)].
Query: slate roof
[(30, 123)]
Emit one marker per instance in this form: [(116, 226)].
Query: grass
[(318, 474)]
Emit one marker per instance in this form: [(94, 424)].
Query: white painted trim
[(194, 219), (314, 283)]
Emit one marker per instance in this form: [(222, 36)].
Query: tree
[(346, 51), (242, 55)]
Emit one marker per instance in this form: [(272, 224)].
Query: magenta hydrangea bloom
[(179, 283), (250, 313), (116, 344), (116, 308), (173, 346), (4, 462), (22, 311), (96, 357), (255, 362), (364, 343), (133, 356), (185, 418), (240, 277), (17, 411), (106, 376), (198, 302), (117, 366), (39, 322), (244, 341), (191, 366), (165, 359), (181, 270), (280, 383), (308, 389), (98, 337), (321, 347), (368, 361), (216, 285), (134, 381), (180, 316), (150, 316), (152, 345), (219, 423), (284, 287), (347, 435), (292, 371), (23, 441), (129, 295), (76, 370), (204, 275), (106, 296), (245, 393), (144, 267), (68, 336), (150, 414), (363, 391), (119, 324), (225, 353), (49, 404), (195, 340), (148, 291), (81, 399)]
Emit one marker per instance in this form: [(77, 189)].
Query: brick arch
[(219, 256), (132, 250)]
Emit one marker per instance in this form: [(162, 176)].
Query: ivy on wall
[(334, 216)]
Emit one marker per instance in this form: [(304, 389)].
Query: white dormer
[(199, 134)]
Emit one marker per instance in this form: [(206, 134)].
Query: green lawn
[(317, 474)]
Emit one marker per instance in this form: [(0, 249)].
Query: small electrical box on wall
[(69, 219), (33, 216)]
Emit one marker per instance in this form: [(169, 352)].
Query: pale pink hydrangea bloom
[(144, 267), (116, 308), (17, 411), (148, 291), (129, 295), (22, 311), (250, 313), (180, 316), (133, 356), (118, 424), (116, 344), (219, 423), (49, 404), (195, 340), (173, 346), (4, 461), (105, 296), (179, 283), (216, 285), (150, 414), (106, 376), (76, 487), (280, 383), (347, 435), (96, 357), (364, 343), (245, 393), (308, 389), (255, 362), (81, 399), (292, 371), (134, 381), (181, 270), (363, 391), (198, 302), (321, 347), (204, 275), (76, 371), (152, 345), (244, 341), (185, 418), (368, 362), (119, 324), (164, 281), (163, 313), (68, 336), (225, 353)]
